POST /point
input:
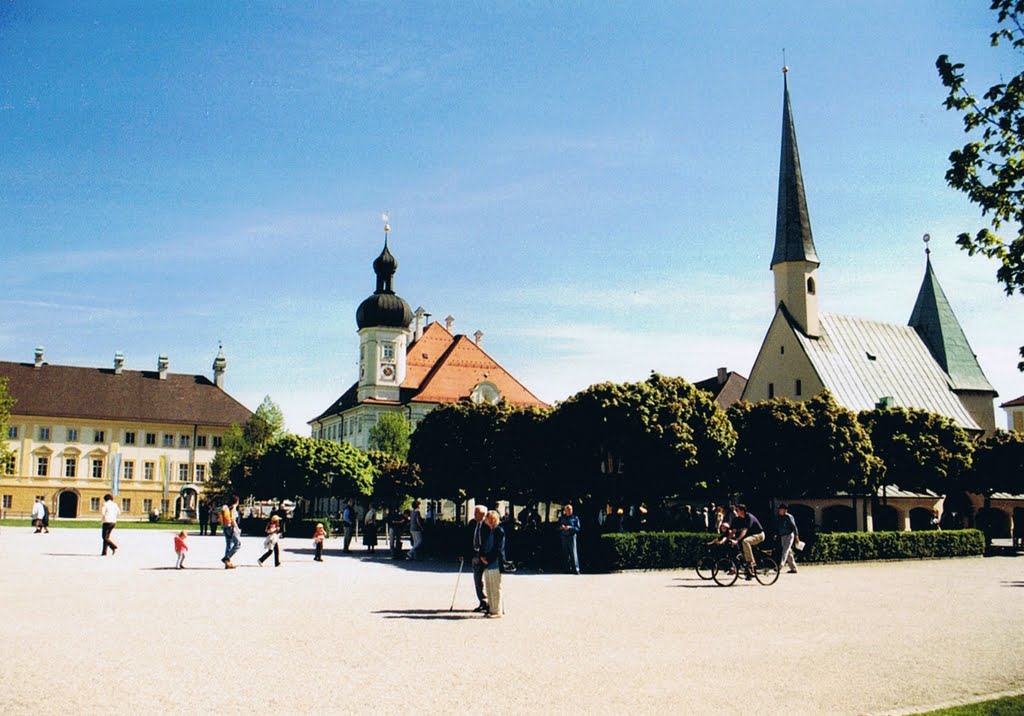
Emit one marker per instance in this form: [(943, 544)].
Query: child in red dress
[(180, 548)]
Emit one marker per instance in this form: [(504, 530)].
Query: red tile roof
[(63, 391), (1013, 403), (442, 368)]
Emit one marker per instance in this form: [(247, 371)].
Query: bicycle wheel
[(726, 572), (767, 571), (706, 567)]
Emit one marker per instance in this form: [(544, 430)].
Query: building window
[(10, 465), (129, 437), (165, 506), (200, 441), (129, 469), (810, 286), (147, 506), (8, 501), (42, 466), (72, 435), (782, 350), (183, 472), (168, 440), (151, 438), (799, 387), (98, 436), (97, 468), (217, 442), (44, 433), (184, 441), (388, 351), (94, 504), (200, 473), (70, 466), (771, 391), (12, 433), (126, 504), (148, 468)]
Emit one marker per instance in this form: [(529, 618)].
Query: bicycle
[(707, 565), (727, 569)]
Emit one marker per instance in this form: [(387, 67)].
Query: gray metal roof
[(861, 361)]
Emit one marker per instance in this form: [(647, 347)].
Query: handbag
[(270, 541)]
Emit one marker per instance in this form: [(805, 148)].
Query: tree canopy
[(989, 168), (390, 434), (813, 448), (998, 464), (6, 403), (296, 466), (640, 441), (394, 480), (919, 450)]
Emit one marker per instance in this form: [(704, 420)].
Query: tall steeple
[(794, 261)]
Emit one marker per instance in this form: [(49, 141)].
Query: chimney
[(418, 330), (118, 363), (161, 366), (39, 357), (449, 321), (723, 375), (220, 364), (478, 336)]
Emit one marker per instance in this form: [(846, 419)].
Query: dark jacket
[(474, 548), (494, 547)]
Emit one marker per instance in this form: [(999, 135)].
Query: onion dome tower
[(383, 321)]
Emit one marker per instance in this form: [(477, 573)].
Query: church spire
[(793, 239)]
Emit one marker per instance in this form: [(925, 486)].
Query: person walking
[(232, 533), (109, 513), (491, 555), (46, 517), (214, 518), (785, 527), (348, 522), (319, 534), (180, 548), (398, 524), (270, 544), (38, 510), (203, 515), (282, 515), (415, 530), (480, 533), (370, 528), (568, 528)]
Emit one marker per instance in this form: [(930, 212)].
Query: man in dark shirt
[(480, 532), (749, 533), (785, 527)]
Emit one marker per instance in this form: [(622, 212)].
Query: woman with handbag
[(271, 542)]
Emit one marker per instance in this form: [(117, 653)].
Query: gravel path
[(127, 634)]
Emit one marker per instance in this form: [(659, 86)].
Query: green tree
[(264, 426), (394, 480), (6, 403), (796, 449), (523, 456), (920, 450), (295, 466), (989, 169), (241, 448), (390, 434), (635, 442), (998, 465), (454, 445)]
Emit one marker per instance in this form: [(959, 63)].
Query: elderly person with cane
[(491, 555)]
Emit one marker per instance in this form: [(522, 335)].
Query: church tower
[(794, 262), (383, 320)]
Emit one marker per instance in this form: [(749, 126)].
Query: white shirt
[(37, 511), (110, 512)]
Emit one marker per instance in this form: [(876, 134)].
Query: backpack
[(225, 516)]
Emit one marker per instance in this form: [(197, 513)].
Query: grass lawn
[(1006, 706), (95, 524)]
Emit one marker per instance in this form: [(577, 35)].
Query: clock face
[(388, 371)]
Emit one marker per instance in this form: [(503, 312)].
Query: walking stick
[(461, 562)]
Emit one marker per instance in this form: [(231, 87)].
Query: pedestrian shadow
[(442, 614), (1012, 583), (184, 569), (73, 554)]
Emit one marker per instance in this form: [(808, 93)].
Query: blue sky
[(592, 185)]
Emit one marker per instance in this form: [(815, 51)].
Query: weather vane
[(785, 67), (926, 238)]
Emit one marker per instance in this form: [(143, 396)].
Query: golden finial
[(926, 238), (387, 227)]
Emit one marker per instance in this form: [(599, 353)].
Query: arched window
[(810, 285)]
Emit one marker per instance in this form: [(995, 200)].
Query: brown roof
[(1013, 403), (725, 392), (442, 368), (63, 391)]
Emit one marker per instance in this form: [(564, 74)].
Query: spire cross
[(926, 238), (785, 67)]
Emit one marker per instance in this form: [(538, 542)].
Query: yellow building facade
[(77, 434)]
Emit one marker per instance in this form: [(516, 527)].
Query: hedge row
[(673, 550)]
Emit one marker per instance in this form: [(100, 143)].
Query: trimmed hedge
[(856, 546), (675, 550)]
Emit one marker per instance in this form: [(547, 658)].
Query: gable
[(781, 361)]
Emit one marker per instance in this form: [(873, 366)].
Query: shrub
[(674, 550)]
